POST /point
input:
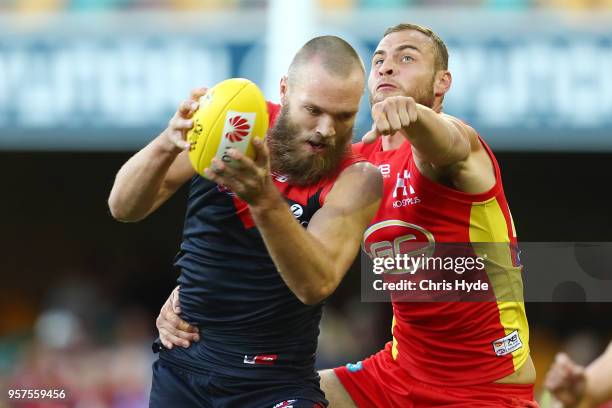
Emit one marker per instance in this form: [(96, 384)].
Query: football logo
[(239, 129)]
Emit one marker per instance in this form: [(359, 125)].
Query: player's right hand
[(394, 114), (173, 331), (566, 381), (181, 122)]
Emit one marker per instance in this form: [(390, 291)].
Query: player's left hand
[(174, 331), (249, 179), (391, 115)]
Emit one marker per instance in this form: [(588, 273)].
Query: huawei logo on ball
[(239, 129)]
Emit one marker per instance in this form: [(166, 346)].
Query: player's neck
[(392, 142)]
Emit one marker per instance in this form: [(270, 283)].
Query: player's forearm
[(138, 182), (301, 259), (436, 139)]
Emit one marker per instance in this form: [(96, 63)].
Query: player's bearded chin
[(287, 156)]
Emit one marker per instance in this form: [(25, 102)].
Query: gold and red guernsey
[(458, 342)]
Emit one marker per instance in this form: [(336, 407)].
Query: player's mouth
[(385, 86)]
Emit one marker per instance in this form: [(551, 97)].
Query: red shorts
[(379, 381)]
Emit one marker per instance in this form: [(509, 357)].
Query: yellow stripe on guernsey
[(488, 225), (394, 347)]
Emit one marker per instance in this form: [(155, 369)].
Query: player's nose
[(386, 67), (326, 126)]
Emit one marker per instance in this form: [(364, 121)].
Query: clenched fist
[(391, 115)]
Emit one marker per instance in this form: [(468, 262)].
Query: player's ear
[(442, 82), (283, 89)]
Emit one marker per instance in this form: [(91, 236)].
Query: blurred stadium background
[(85, 83)]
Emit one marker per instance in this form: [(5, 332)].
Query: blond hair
[(440, 50)]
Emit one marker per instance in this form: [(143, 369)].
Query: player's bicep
[(179, 172)]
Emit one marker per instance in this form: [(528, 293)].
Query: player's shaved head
[(320, 99), (335, 55)]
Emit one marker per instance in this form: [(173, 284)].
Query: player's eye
[(312, 110), (378, 61), (346, 116), (407, 58)]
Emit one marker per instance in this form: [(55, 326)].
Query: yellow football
[(230, 115)]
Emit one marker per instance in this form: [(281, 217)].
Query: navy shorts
[(178, 388)]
